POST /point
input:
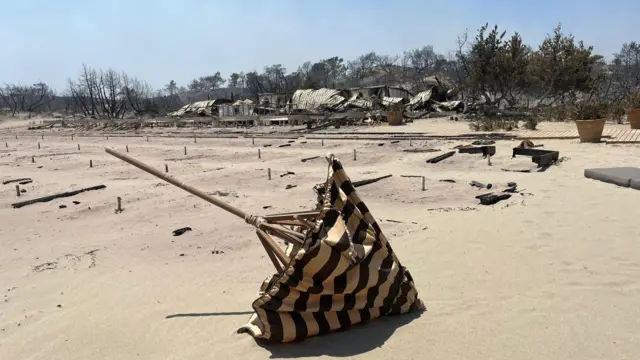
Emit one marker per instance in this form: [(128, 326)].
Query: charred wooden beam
[(538, 156), (369, 181), (439, 158), (56, 196), (486, 150), (15, 180)]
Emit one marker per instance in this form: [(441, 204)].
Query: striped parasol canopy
[(345, 273)]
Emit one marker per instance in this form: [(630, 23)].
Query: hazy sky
[(160, 40)]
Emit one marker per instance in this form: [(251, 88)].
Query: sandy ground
[(551, 274)]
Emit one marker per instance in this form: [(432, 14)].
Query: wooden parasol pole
[(142, 166)]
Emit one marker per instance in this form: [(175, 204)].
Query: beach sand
[(553, 273)]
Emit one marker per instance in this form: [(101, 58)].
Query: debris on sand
[(420, 150), (16, 180), (370, 181), (439, 158), (491, 198), (181, 231), (56, 196), (480, 185), (311, 158)]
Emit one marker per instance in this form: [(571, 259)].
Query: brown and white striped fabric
[(345, 274)]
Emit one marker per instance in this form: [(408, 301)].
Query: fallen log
[(369, 181), (14, 180), (439, 158), (56, 196), (284, 145)]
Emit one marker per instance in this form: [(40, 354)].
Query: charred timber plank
[(310, 158), (546, 159), (530, 152), (369, 181), (14, 180), (538, 156), (56, 196), (484, 150), (439, 158)]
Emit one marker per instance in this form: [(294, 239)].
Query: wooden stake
[(107, 137), (42, 137), (166, 168), (410, 142), (71, 136), (354, 154), (147, 139), (185, 150), (6, 144), (195, 140), (38, 145), (322, 142), (269, 173), (17, 190), (253, 141), (33, 159), (423, 184), (119, 204), (78, 147), (127, 148), (90, 163), (259, 154), (16, 137)]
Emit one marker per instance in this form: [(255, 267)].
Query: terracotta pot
[(394, 118), (633, 116), (590, 130)]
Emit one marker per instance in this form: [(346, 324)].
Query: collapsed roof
[(200, 108), (310, 100)]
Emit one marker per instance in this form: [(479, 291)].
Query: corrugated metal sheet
[(420, 98), (310, 99), (388, 101)]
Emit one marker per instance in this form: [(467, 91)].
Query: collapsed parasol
[(337, 271)]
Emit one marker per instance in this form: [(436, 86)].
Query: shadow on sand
[(229, 313), (357, 340)]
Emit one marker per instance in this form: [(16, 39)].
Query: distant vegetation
[(493, 68)]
